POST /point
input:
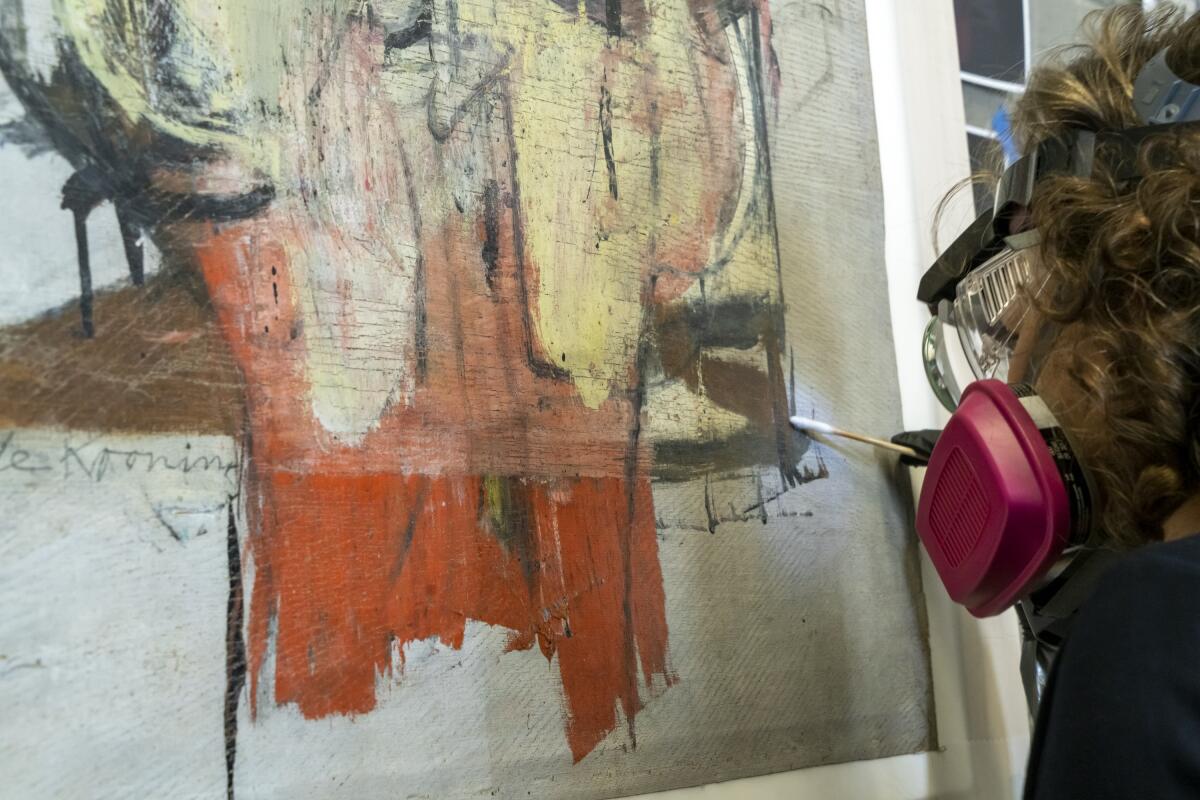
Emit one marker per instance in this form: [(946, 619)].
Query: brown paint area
[(741, 386), (158, 364)]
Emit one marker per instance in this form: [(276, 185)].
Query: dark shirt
[(1120, 716)]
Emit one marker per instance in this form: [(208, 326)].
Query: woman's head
[(1121, 262)]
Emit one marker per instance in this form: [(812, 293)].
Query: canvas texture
[(394, 398)]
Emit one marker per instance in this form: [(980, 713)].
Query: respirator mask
[(1005, 510)]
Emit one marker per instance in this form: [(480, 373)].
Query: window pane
[(981, 104), (986, 157), (991, 38)]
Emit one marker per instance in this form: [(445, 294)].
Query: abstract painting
[(394, 398)]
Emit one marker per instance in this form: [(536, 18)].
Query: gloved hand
[(921, 441)]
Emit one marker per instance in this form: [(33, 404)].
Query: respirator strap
[(1046, 617), (1161, 97)]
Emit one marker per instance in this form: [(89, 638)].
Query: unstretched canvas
[(394, 399)]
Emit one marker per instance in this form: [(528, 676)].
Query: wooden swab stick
[(812, 426)]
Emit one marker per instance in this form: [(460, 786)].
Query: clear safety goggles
[(985, 322), (991, 329)]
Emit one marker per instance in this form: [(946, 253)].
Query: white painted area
[(112, 647), (113, 627)]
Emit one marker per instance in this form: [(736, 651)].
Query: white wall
[(983, 730)]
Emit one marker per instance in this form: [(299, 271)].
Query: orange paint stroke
[(356, 555)]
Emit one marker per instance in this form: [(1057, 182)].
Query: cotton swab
[(807, 425)]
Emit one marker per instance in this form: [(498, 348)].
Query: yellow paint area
[(594, 231), (114, 42), (597, 221), (228, 63)]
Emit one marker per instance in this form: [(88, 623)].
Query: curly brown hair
[(1122, 264)]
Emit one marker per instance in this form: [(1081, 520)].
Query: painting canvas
[(394, 398)]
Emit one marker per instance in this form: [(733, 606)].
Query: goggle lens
[(991, 313), (990, 331)]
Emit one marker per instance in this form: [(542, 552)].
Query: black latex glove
[(921, 441)]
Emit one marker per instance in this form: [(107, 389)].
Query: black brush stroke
[(410, 529), (85, 275), (655, 154), (758, 190), (606, 138), (709, 510), (27, 135), (120, 169), (491, 232), (637, 402), (785, 437), (686, 460), (783, 434), (173, 207), (612, 17), (419, 30), (421, 334), (791, 382), (131, 239), (235, 647), (81, 193), (440, 132), (762, 503)]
